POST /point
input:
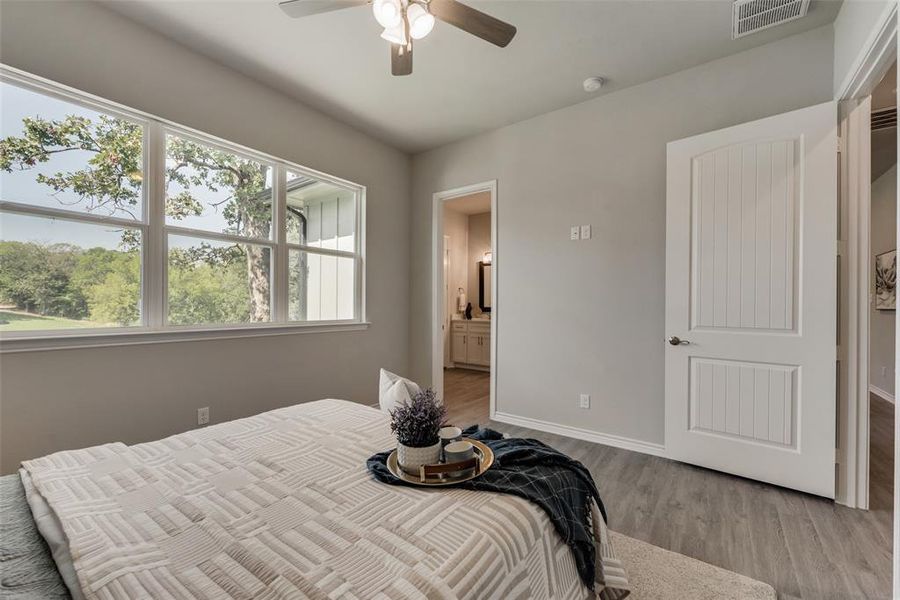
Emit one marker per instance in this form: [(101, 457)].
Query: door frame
[(852, 453), (445, 311), (437, 286), (854, 200)]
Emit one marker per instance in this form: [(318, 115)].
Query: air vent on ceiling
[(884, 118), (750, 16)]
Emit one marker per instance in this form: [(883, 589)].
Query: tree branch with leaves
[(111, 183)]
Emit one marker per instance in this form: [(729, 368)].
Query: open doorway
[(883, 273), (465, 307)]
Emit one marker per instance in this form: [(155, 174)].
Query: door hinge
[(840, 144), (840, 247)]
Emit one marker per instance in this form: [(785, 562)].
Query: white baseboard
[(468, 367), (583, 434), (874, 389)]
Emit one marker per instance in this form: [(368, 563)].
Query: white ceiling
[(461, 85)]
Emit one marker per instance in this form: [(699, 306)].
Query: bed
[(27, 570), (280, 505)]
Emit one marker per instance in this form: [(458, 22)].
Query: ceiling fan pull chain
[(406, 30)]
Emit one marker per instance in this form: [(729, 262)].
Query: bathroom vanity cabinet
[(470, 343)]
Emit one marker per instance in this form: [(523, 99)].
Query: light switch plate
[(573, 233), (585, 232)]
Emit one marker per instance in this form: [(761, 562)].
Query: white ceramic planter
[(410, 458)]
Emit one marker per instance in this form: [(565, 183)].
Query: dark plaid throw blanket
[(530, 469)]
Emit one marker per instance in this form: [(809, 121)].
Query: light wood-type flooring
[(805, 547)]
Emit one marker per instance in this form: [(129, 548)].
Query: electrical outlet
[(203, 416), (574, 233), (585, 232), (884, 372), (584, 401)]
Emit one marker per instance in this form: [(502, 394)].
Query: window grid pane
[(62, 155), (60, 274), (212, 282), (320, 214), (215, 190), (322, 287)]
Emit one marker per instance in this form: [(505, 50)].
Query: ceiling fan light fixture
[(406, 20), (395, 35), (421, 22), (388, 13)]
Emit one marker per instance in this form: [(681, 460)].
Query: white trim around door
[(874, 58), (437, 288), (852, 453)]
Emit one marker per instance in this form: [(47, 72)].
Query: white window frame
[(153, 327)]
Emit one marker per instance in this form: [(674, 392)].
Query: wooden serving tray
[(436, 475)]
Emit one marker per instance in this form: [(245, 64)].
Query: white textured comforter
[(280, 505)]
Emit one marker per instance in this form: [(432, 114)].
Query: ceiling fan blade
[(473, 21), (401, 59), (305, 8)]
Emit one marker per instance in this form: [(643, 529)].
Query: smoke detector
[(750, 16), (592, 84)]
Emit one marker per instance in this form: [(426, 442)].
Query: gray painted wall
[(884, 239), (587, 316), (73, 398), (856, 23)]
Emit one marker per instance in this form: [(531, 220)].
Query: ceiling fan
[(408, 20)]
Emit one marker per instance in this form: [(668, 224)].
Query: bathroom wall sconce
[(486, 257)]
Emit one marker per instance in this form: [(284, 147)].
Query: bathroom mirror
[(485, 297)]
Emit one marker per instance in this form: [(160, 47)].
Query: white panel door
[(751, 230)]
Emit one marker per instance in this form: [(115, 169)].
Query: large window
[(113, 219)]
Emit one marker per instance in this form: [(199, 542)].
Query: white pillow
[(394, 390)]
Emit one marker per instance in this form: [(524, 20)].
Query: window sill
[(98, 338)]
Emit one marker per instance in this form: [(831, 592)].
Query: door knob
[(677, 341)]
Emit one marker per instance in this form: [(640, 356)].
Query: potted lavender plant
[(417, 424)]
